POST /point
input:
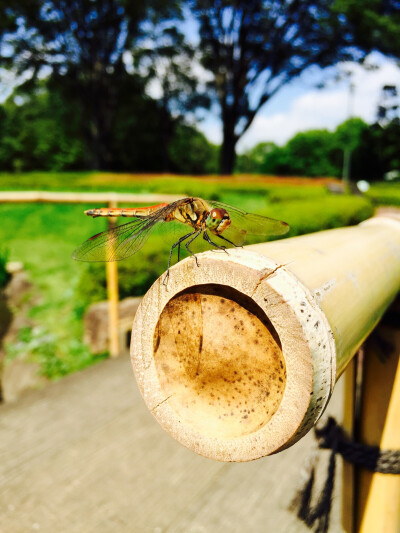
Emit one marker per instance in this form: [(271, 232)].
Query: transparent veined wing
[(122, 241), (244, 223)]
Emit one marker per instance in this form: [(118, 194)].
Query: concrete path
[(85, 456)]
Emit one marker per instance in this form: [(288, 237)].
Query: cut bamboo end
[(234, 358), (237, 357)]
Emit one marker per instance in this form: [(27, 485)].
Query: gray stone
[(96, 333)]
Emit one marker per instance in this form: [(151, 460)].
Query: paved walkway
[(84, 455)]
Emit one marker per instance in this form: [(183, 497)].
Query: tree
[(165, 63), (190, 152), (253, 161), (314, 153), (348, 137), (318, 152), (389, 105), (80, 45), (42, 134), (254, 47)]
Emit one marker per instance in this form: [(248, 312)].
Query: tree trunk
[(227, 153), (165, 134), (100, 99)]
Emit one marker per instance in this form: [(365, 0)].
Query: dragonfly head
[(218, 220)]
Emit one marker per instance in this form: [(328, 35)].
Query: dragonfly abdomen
[(123, 212)]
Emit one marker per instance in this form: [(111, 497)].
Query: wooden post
[(378, 495), (237, 357), (112, 294), (348, 476)]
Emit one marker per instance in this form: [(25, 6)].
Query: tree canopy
[(373, 24), (253, 48), (86, 69), (79, 46), (320, 152)]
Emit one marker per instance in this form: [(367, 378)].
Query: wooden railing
[(98, 199)]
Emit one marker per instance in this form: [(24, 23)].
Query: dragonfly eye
[(218, 220)]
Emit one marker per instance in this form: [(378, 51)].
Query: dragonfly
[(215, 221)]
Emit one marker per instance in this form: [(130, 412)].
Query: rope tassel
[(332, 437)]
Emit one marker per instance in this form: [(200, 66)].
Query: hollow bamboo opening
[(219, 361), (225, 356)]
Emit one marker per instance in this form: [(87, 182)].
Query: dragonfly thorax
[(217, 220)]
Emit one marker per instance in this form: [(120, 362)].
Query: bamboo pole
[(378, 495), (237, 357), (84, 197), (112, 294), (348, 475)]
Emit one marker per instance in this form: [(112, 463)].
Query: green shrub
[(4, 275), (385, 194), (135, 277), (324, 213)]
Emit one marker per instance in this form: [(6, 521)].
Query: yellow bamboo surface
[(237, 356), (84, 197), (112, 295), (348, 475), (353, 273), (378, 495)]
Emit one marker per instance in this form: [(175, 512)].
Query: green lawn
[(43, 237)]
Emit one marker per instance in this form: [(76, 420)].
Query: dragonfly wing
[(122, 241), (243, 223), (117, 243)]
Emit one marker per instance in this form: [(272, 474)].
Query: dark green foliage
[(254, 160), (135, 139), (312, 153), (375, 24), (47, 132), (191, 153), (4, 275), (374, 151), (81, 46), (43, 133)]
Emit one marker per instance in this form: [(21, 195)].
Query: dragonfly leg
[(177, 244), (197, 233), (230, 242), (206, 237)]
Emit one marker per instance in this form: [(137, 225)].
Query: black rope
[(370, 457), (316, 516), (332, 437)]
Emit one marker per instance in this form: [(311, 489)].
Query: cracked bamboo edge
[(234, 358)]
